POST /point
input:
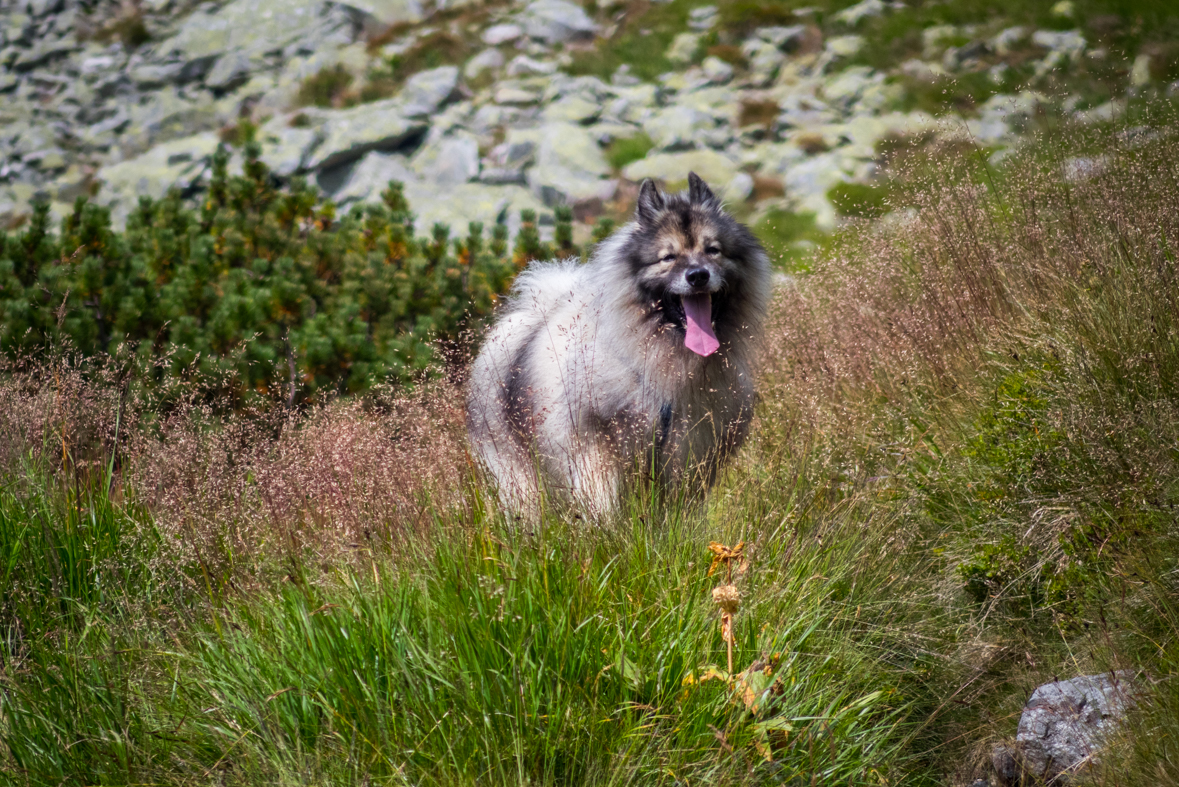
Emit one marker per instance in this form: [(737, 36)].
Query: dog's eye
[(712, 251), (668, 258)]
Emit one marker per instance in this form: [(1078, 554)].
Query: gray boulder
[(427, 91), (488, 60), (501, 34), (377, 15), (348, 134), (1065, 723), (672, 169), (252, 27), (448, 161), (677, 127), (168, 114), (369, 176), (570, 167), (230, 71), (285, 149), (557, 21), (177, 164)]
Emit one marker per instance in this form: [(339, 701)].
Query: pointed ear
[(698, 191), (651, 202)]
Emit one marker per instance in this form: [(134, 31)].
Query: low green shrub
[(261, 291)]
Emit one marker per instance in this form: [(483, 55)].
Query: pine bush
[(260, 291)]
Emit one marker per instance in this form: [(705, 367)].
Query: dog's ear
[(698, 191), (651, 202)]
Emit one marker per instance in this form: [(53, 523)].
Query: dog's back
[(499, 408)]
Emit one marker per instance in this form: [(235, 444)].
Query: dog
[(641, 359)]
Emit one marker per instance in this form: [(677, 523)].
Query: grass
[(790, 238), (961, 484), (624, 150)]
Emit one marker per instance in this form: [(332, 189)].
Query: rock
[(47, 159), (804, 112), (456, 206), (1007, 39), (557, 21), (368, 177), (622, 77), (683, 48), (448, 161), (678, 127), (846, 87), (491, 117), (168, 115), (520, 91), (1001, 114), (808, 181), (672, 169), (1064, 725), (43, 52), (922, 71), (501, 34), (703, 19), (572, 109), (935, 38), (348, 134), (861, 10), (376, 16), (251, 27), (470, 202), (524, 66), (427, 91), (716, 71), (786, 38), (588, 87), (569, 166), (285, 149), (149, 77), (230, 71), (487, 60), (1103, 113), (844, 46), (507, 161), (1069, 42), (1140, 73), (179, 164), (631, 103), (764, 59), (73, 183), (1005, 765), (739, 189)]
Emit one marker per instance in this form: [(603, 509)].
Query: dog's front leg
[(594, 477)]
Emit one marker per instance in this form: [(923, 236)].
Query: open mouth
[(694, 314)]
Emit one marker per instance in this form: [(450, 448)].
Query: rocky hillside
[(484, 109)]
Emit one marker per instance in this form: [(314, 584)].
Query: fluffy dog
[(641, 359)]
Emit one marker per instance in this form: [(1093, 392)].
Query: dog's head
[(694, 263)]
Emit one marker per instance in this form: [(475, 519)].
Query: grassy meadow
[(962, 483)]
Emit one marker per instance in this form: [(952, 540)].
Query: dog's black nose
[(697, 277)]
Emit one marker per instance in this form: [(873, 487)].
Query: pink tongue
[(698, 310)]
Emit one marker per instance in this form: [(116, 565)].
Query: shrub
[(263, 286)]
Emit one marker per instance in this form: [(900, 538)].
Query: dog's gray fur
[(585, 375)]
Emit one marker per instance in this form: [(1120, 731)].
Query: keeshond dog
[(636, 365)]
